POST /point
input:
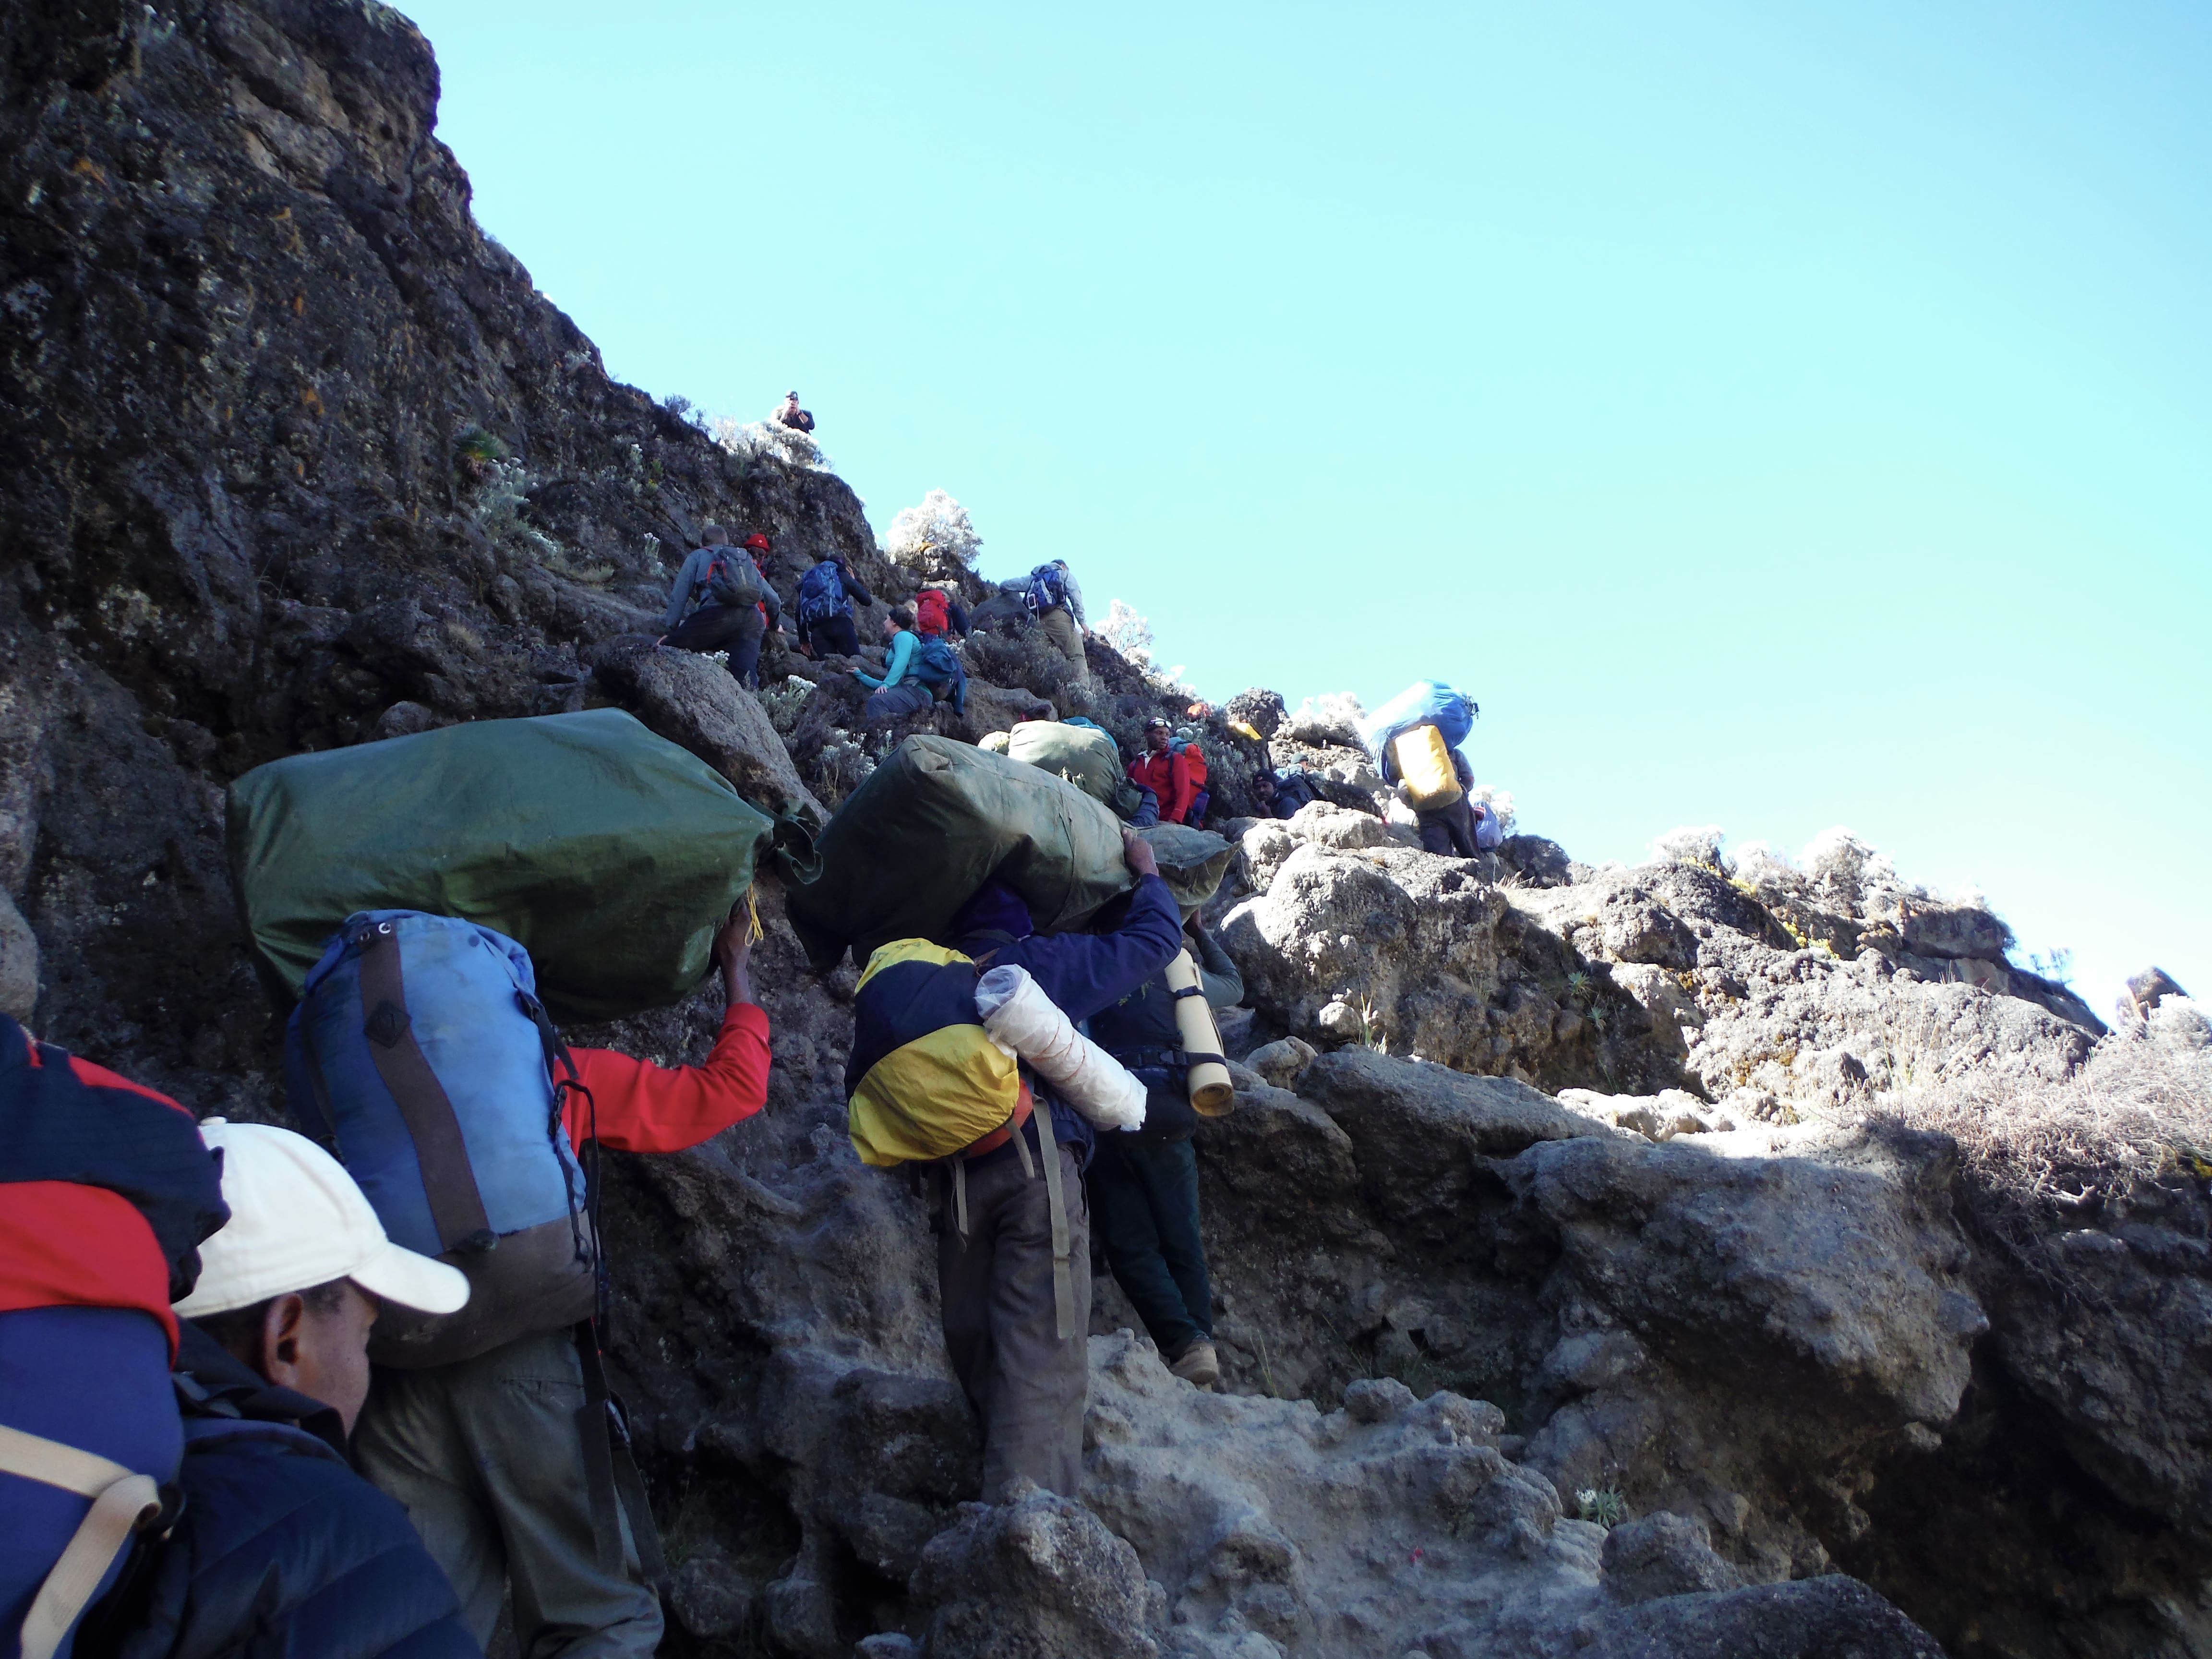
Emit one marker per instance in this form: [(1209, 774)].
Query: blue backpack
[(1048, 589), (420, 1056), (1425, 703), (935, 668), (821, 594)]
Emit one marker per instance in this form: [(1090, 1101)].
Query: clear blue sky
[(1776, 416)]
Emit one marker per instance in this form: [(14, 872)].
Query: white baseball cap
[(298, 1220)]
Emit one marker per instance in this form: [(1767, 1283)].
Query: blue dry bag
[(1425, 703), (420, 1056)]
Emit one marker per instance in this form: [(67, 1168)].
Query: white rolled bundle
[(1020, 1017)]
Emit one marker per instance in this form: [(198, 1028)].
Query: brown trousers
[(1060, 628), (1027, 1387)]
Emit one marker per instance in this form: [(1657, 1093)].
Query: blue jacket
[(1085, 973), (282, 1552), (1140, 1031)]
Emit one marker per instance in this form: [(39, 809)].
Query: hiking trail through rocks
[(1554, 1196)]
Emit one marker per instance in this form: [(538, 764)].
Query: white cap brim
[(401, 1276)]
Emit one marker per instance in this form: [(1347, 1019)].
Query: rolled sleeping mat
[(1211, 1092), (1019, 1016)]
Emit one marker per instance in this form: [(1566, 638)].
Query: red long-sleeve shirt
[(645, 1107), (1174, 778)]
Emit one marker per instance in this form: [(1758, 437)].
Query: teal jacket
[(902, 662)]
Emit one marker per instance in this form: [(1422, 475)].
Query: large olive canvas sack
[(938, 818), (609, 854)]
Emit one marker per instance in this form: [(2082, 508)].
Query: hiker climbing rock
[(937, 611), (736, 605), (1143, 1181), (488, 1426), (929, 1085), (826, 608), (791, 415), (1280, 794), (919, 672), (279, 1545), (1056, 602), (1174, 772)]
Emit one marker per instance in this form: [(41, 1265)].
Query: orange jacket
[(645, 1107)]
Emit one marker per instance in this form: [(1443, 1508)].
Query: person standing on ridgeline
[(791, 415), (736, 605), (1143, 1181), (1014, 1247), (1175, 777), (492, 1455), (826, 608), (1056, 602)]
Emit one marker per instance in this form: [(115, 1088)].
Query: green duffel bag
[(938, 818), (1192, 862), (611, 855), (1084, 755)]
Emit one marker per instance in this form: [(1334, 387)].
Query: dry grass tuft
[(2041, 1155)]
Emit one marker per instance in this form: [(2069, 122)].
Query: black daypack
[(732, 579)]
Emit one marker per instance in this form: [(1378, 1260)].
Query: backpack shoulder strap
[(122, 1503)]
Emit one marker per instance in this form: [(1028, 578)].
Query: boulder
[(1829, 1617), (1663, 1554), (2146, 989), (1037, 1575), (1281, 1061), (1424, 1135), (692, 701), (1412, 935), (1829, 1280)]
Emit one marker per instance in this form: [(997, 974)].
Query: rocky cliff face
[(1581, 1289)]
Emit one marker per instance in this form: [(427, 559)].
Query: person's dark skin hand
[(1138, 853), (733, 955), (1194, 927)]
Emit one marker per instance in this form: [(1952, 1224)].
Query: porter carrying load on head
[(965, 1057), (611, 855), (1415, 738), (939, 818)]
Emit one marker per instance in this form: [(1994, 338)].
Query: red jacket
[(63, 1244), (1174, 778), (645, 1107)]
